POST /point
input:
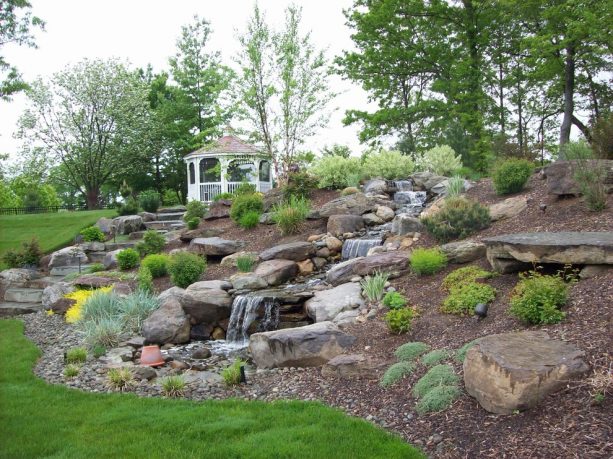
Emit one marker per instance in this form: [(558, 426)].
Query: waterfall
[(403, 185), (353, 248), (411, 202), (245, 311)]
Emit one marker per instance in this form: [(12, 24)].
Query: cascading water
[(403, 185), (245, 311), (353, 248), (410, 202)]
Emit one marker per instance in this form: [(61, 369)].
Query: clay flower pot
[(151, 356)]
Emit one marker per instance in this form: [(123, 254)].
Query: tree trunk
[(92, 196), (569, 89)]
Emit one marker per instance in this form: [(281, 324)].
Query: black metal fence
[(44, 210)]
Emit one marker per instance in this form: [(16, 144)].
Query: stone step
[(110, 246), (166, 225), (61, 271), (96, 257), (42, 283), (23, 295), (12, 309), (170, 216)]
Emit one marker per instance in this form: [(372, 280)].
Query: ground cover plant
[(411, 351), (537, 298), (395, 373), (394, 300), (463, 299), (290, 216), (173, 385), (399, 320), (76, 355), (428, 261), (35, 421), (434, 357), (439, 375)]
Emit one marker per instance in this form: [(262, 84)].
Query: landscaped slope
[(40, 420)]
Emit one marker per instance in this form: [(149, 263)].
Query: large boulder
[(94, 246), (230, 260), (312, 345), (376, 186), (296, 251), (110, 259), (509, 208), (514, 371), (561, 180), (189, 235), (426, 180), (275, 272), (219, 209), (404, 224), (56, 292), (206, 305), (272, 198), (341, 224), (17, 277), (353, 204), (127, 224), (393, 263), (351, 366), (210, 285), (247, 281), (327, 304), (167, 324), (175, 293), (463, 251), (105, 225), (68, 256), (215, 246)]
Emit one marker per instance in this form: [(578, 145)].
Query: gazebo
[(223, 166)]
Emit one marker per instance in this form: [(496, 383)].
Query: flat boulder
[(247, 281), (515, 371), (167, 324), (327, 304), (210, 285), (128, 224), (68, 256), (463, 251), (341, 224), (230, 260), (350, 366), (276, 272), (189, 235), (295, 251), (219, 209), (312, 345), (396, 262), (206, 305), (404, 224), (353, 204), (509, 208), (17, 277), (215, 246)]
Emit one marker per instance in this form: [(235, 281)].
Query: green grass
[(42, 420), (53, 230)]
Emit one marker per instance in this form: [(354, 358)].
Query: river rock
[(341, 224), (295, 251), (206, 305), (509, 208), (230, 260), (305, 267), (353, 204), (396, 262), (385, 213), (215, 246), (463, 251), (219, 209), (247, 281), (312, 345), (327, 304), (55, 292), (275, 272), (333, 244), (372, 219), (350, 366), (405, 224), (167, 324), (127, 224), (68, 256), (514, 371)]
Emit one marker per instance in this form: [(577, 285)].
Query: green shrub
[(463, 299), (457, 219), (461, 353), (232, 374), (170, 198), (12, 258), (428, 261), (173, 386), (510, 176), (394, 300), (144, 279), (244, 188), (465, 275), (245, 203), (129, 207), (440, 375), (299, 185), (186, 268), (153, 242), (29, 255), (335, 172), (92, 234), (468, 173), (127, 259), (537, 298), (395, 373), (193, 223), (76, 355), (389, 165), (249, 220), (150, 201), (410, 351), (374, 286), (121, 379), (221, 196), (434, 357), (437, 399), (289, 216), (98, 351), (195, 209), (455, 187), (71, 370), (399, 320), (157, 264), (590, 175), (135, 308), (441, 160), (96, 268), (245, 263)]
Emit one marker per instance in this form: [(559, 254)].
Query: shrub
[(464, 275), (120, 379), (537, 298), (244, 188), (455, 187), (410, 351), (334, 171), (98, 351), (170, 198), (193, 223), (428, 261), (224, 195), (173, 386), (96, 268), (374, 286), (157, 264), (82, 298), (186, 268), (28, 256), (129, 207), (71, 370), (135, 308), (246, 203), (440, 375), (92, 234), (249, 219), (441, 160), (602, 136), (245, 263), (12, 258), (394, 300), (195, 209), (437, 399), (395, 373), (76, 355), (461, 353), (457, 219), (144, 279), (104, 332), (468, 173), (589, 174), (232, 374), (290, 215), (389, 165), (153, 242), (127, 259), (150, 201), (299, 185), (463, 299), (399, 320), (510, 176), (96, 304), (434, 357)]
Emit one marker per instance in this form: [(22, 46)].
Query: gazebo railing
[(208, 191)]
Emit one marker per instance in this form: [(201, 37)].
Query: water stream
[(353, 248), (245, 310)]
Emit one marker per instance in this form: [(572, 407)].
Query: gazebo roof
[(226, 145)]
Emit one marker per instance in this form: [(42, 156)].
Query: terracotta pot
[(151, 356)]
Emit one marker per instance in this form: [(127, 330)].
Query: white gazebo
[(224, 166)]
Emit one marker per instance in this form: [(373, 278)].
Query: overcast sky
[(145, 31)]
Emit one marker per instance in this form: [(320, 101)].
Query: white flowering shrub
[(389, 165), (440, 160)]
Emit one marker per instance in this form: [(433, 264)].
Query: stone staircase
[(24, 296), (167, 220)]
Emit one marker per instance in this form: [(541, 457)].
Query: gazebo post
[(256, 163), (197, 171), (224, 171)]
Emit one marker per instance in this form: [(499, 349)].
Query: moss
[(410, 351)]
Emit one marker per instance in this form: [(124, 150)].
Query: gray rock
[(175, 293), (353, 204), (110, 259), (210, 285), (272, 198), (350, 366), (590, 271), (205, 305), (16, 277), (385, 213), (167, 324), (267, 218), (247, 281), (219, 209), (509, 208), (346, 318), (68, 256), (308, 346), (95, 246), (148, 216), (372, 219), (141, 373), (105, 225), (404, 224), (275, 272), (341, 224), (117, 356), (295, 251), (463, 251), (327, 304), (561, 181), (426, 180), (189, 235), (201, 353), (215, 246), (128, 224), (376, 186), (392, 263), (55, 292), (230, 260)]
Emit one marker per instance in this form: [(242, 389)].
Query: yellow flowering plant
[(73, 314)]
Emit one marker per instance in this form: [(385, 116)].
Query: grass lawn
[(42, 420), (53, 230)]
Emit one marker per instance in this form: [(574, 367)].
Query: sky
[(145, 32)]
